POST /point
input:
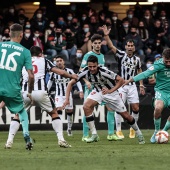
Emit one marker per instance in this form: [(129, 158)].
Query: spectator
[(5, 34), (69, 18), (131, 18), (61, 23), (27, 40), (36, 39), (93, 24), (83, 38), (74, 27), (142, 31)]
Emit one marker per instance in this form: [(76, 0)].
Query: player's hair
[(130, 41), (166, 53), (15, 30), (35, 50), (96, 37), (59, 56), (92, 59)]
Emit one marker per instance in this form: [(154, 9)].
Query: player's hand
[(81, 95), (30, 96), (105, 91), (105, 30), (66, 102), (142, 89), (88, 84), (74, 76), (126, 82)]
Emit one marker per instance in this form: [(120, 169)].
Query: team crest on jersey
[(151, 68)]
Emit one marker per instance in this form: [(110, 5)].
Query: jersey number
[(35, 68), (10, 58)]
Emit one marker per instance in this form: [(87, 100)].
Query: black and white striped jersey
[(40, 67), (62, 82), (127, 66), (104, 78)]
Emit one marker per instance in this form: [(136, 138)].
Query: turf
[(102, 155)]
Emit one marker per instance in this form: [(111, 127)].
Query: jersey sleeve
[(84, 61), (107, 73), (28, 61), (49, 64), (82, 74), (150, 71), (119, 53)]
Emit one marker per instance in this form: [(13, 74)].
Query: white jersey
[(62, 82), (40, 66)]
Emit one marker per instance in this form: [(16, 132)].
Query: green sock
[(23, 116), (167, 126), (157, 123), (110, 122), (85, 127)]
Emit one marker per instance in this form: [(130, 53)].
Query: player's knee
[(87, 106)]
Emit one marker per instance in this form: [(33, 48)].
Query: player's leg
[(58, 105), (13, 129), (85, 125), (118, 105), (133, 100), (167, 125), (159, 103), (46, 103), (111, 123), (92, 100), (15, 105), (118, 117)]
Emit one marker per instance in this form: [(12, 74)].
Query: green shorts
[(160, 95), (87, 92), (14, 104)]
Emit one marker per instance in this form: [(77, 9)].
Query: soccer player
[(96, 40), (61, 84), (13, 58), (161, 68), (128, 65), (40, 96), (105, 89)]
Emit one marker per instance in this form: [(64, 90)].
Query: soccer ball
[(162, 137)]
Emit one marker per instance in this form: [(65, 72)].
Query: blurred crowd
[(69, 33)]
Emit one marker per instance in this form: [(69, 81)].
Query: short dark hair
[(59, 56), (130, 41), (35, 50), (96, 37), (16, 30), (92, 59), (166, 53)]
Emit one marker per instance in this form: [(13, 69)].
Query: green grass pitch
[(102, 155)]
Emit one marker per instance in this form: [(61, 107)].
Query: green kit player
[(161, 68), (13, 58), (96, 40)]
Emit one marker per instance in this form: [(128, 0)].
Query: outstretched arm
[(63, 73), (106, 36)]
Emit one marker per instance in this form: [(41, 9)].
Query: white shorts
[(129, 93), (112, 100), (59, 100), (41, 99)]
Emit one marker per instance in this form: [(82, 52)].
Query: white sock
[(118, 119), (136, 116), (14, 126), (58, 128), (91, 124), (70, 122)]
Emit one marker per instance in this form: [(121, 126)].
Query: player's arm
[(30, 82), (68, 90), (63, 73), (81, 95), (141, 86), (106, 37), (143, 75)]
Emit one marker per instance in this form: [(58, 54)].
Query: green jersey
[(100, 58), (162, 76), (13, 57)]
